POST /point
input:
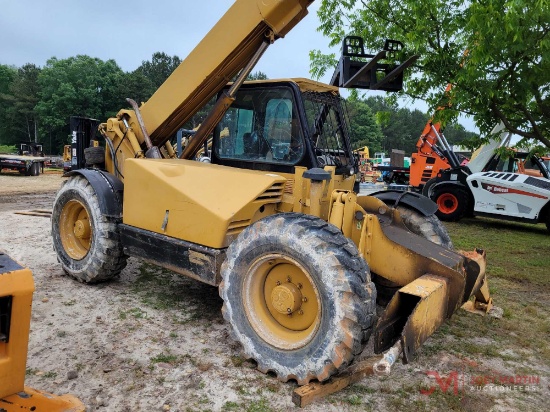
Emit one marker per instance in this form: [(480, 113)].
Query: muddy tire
[(452, 203), (429, 227), (298, 297), (87, 243), (94, 155)]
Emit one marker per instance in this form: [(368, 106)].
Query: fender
[(109, 190), (413, 200)]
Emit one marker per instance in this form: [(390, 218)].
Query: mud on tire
[(87, 243), (429, 227), (307, 258)]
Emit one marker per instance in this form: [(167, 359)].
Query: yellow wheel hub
[(75, 229), (286, 298), (282, 302)]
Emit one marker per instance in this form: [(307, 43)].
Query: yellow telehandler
[(272, 218)]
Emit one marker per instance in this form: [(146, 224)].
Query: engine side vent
[(274, 194), (540, 183), (237, 227)]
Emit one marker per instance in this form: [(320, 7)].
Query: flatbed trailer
[(29, 161), (27, 165)]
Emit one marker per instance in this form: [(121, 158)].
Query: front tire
[(87, 243), (298, 297), (429, 227), (452, 203)]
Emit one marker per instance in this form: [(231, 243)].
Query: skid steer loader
[(273, 219)]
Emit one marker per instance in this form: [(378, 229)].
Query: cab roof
[(305, 85)]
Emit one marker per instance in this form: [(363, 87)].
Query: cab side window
[(261, 126)]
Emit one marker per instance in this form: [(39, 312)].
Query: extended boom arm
[(225, 50)]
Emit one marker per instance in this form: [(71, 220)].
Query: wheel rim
[(281, 302), (75, 229), (447, 203)]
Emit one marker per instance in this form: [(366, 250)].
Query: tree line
[(36, 103)]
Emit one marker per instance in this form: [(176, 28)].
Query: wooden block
[(307, 394)]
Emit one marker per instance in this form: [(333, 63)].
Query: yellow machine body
[(196, 196), (201, 203), (16, 290), (187, 215)]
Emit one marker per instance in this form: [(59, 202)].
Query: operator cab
[(277, 125), (521, 163)]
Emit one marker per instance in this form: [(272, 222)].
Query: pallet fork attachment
[(360, 70)]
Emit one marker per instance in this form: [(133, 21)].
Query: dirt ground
[(152, 340)]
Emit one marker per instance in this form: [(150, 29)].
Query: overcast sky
[(32, 31)]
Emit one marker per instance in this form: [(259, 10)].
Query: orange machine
[(430, 158)]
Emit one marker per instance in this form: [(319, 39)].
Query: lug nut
[(304, 299)]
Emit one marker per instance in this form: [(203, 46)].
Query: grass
[(162, 289), (518, 264), (515, 251)]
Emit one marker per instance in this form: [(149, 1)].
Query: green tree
[(259, 75), (137, 86), (159, 68), (364, 129), (504, 75), (402, 127), (81, 86), (22, 99), (7, 75)]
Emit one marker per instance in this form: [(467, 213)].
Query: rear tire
[(452, 203), (285, 258), (87, 243)]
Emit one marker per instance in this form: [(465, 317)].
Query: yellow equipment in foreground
[(16, 289), (272, 219)]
